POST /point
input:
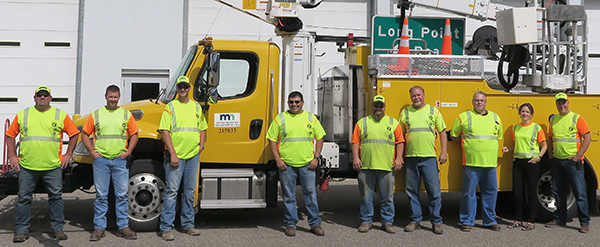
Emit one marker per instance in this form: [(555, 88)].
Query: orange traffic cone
[(404, 44), (447, 42), (401, 66)]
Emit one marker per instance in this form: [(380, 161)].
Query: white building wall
[(133, 34)]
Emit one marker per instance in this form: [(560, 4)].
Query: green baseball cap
[(379, 98), (43, 88), (560, 96), (183, 79)]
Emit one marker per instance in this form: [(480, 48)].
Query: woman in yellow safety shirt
[(530, 147)]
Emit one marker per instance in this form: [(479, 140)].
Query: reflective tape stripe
[(482, 137), (105, 137), (25, 120), (297, 139), (392, 121), (189, 129), (431, 110), (173, 121), (40, 138), (365, 128), (377, 141), (566, 140), (283, 129), (533, 140), (407, 118), (420, 130), (470, 124)]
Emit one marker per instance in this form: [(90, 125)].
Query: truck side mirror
[(214, 68)]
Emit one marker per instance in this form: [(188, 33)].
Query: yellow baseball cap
[(43, 88), (183, 79), (379, 98), (560, 96)]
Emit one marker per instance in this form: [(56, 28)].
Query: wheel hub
[(145, 196)]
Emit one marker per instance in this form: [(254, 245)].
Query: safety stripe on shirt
[(297, 139), (293, 139), (470, 129), (39, 138), (99, 135), (377, 141), (174, 121), (573, 136)]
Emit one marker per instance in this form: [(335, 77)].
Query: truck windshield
[(170, 91)]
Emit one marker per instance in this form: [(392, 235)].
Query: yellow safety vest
[(41, 138), (526, 144), (564, 135), (111, 131), (297, 134), (420, 130), (480, 138), (186, 126), (377, 142)]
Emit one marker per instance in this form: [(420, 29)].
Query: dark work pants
[(525, 175)]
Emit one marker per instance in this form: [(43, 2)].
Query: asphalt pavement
[(264, 227)]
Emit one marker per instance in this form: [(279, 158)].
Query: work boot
[(365, 227), (411, 227), (495, 228), (318, 230), (127, 233), (465, 228), (437, 229), (58, 235), (584, 228), (290, 231), (389, 228), (97, 235), (20, 237), (192, 231), (168, 236), (553, 224)]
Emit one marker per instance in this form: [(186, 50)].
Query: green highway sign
[(387, 28)]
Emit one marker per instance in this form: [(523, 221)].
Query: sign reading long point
[(430, 30)]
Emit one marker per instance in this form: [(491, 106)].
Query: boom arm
[(476, 9)]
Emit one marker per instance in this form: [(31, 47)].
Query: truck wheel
[(546, 199), (146, 191)]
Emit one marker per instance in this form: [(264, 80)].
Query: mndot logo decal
[(227, 120)]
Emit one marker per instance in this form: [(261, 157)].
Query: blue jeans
[(368, 180), (426, 167), (486, 178), (564, 172), (188, 172), (288, 180), (27, 181), (103, 170)]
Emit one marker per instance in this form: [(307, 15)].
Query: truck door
[(237, 123)]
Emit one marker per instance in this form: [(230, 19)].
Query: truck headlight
[(137, 114)]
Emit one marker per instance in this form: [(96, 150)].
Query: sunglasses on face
[(294, 102), (40, 94)]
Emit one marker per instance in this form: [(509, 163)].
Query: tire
[(146, 191), (545, 196)]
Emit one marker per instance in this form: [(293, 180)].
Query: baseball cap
[(43, 88), (560, 96), (379, 98), (183, 79)]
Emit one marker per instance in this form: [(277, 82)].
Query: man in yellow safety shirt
[(113, 126), (41, 129), (377, 146), (567, 129), (422, 123), (183, 128), (480, 130), (291, 136)]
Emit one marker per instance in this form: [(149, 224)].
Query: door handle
[(255, 128)]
